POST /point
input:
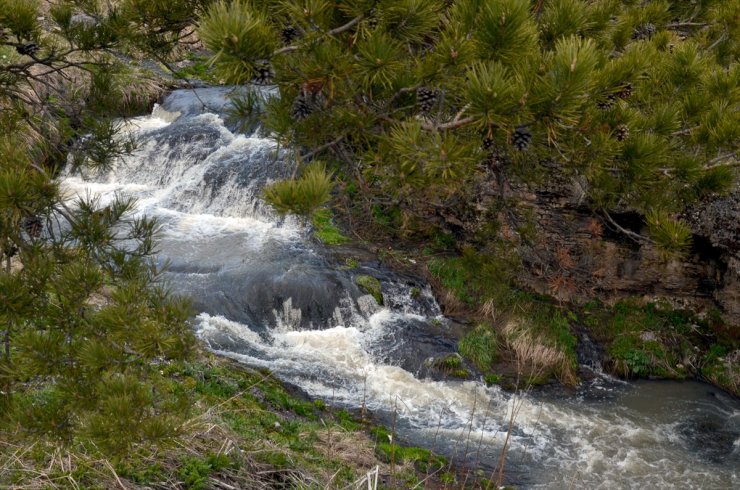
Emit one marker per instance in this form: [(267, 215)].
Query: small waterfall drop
[(269, 297)]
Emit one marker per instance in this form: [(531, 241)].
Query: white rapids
[(268, 297)]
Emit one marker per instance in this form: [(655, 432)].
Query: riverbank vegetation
[(440, 120), (433, 121), (239, 429)]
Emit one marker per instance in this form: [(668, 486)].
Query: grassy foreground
[(245, 431)]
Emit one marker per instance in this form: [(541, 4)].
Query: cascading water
[(270, 297)]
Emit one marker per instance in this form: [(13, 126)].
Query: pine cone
[(644, 31), (608, 103), (288, 34), (27, 49), (426, 98), (264, 75), (521, 138), (625, 92), (487, 143), (301, 108), (371, 18), (622, 132), (33, 226)]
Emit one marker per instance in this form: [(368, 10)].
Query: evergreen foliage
[(303, 195), (84, 318), (640, 98)]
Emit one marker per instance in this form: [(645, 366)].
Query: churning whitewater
[(270, 297)]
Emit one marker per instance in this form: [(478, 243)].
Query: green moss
[(351, 263), (447, 363), (371, 286), (325, 230), (460, 373), (451, 365), (492, 379)]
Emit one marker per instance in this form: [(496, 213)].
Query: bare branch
[(323, 147), (454, 124), (634, 236), (719, 160), (677, 25), (349, 25)]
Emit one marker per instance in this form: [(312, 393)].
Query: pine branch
[(338, 30)]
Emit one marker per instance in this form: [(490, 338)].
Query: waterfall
[(269, 296)]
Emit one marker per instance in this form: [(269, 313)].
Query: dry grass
[(451, 304), (489, 310), (534, 357), (352, 448), (728, 376)]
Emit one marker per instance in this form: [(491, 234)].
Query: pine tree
[(83, 319), (573, 73)]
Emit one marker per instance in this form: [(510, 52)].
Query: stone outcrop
[(571, 253)]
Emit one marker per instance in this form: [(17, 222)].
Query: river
[(270, 297)]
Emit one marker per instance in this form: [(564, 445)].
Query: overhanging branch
[(631, 234)]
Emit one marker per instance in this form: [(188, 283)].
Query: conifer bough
[(84, 320), (638, 98)]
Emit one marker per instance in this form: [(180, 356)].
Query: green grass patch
[(422, 458), (479, 346), (475, 278), (325, 230), (347, 421)]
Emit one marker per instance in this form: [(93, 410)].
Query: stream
[(270, 297)]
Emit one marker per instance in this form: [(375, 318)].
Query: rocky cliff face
[(573, 254)]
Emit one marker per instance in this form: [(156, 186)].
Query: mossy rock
[(371, 286), (451, 365)]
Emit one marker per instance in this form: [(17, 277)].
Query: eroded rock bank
[(653, 315)]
